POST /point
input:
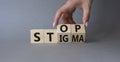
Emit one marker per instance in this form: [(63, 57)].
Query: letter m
[(75, 38)]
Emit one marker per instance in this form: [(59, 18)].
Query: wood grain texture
[(50, 35), (37, 36)]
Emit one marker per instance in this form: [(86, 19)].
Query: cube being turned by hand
[(78, 33)]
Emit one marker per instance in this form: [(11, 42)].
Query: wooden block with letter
[(37, 36), (50, 36), (78, 33), (64, 33)]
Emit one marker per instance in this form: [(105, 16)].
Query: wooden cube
[(63, 28), (78, 33), (50, 35), (64, 33), (77, 28), (37, 36), (64, 37)]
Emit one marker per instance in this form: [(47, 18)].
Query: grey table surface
[(18, 17)]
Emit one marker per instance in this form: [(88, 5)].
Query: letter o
[(63, 30)]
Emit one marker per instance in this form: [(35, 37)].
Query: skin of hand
[(67, 10)]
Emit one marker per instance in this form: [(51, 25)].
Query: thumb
[(86, 15)]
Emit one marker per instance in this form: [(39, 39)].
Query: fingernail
[(53, 24), (86, 24)]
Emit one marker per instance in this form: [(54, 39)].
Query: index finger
[(57, 17)]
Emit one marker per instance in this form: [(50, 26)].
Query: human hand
[(67, 10)]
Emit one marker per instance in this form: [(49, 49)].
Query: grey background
[(18, 17)]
